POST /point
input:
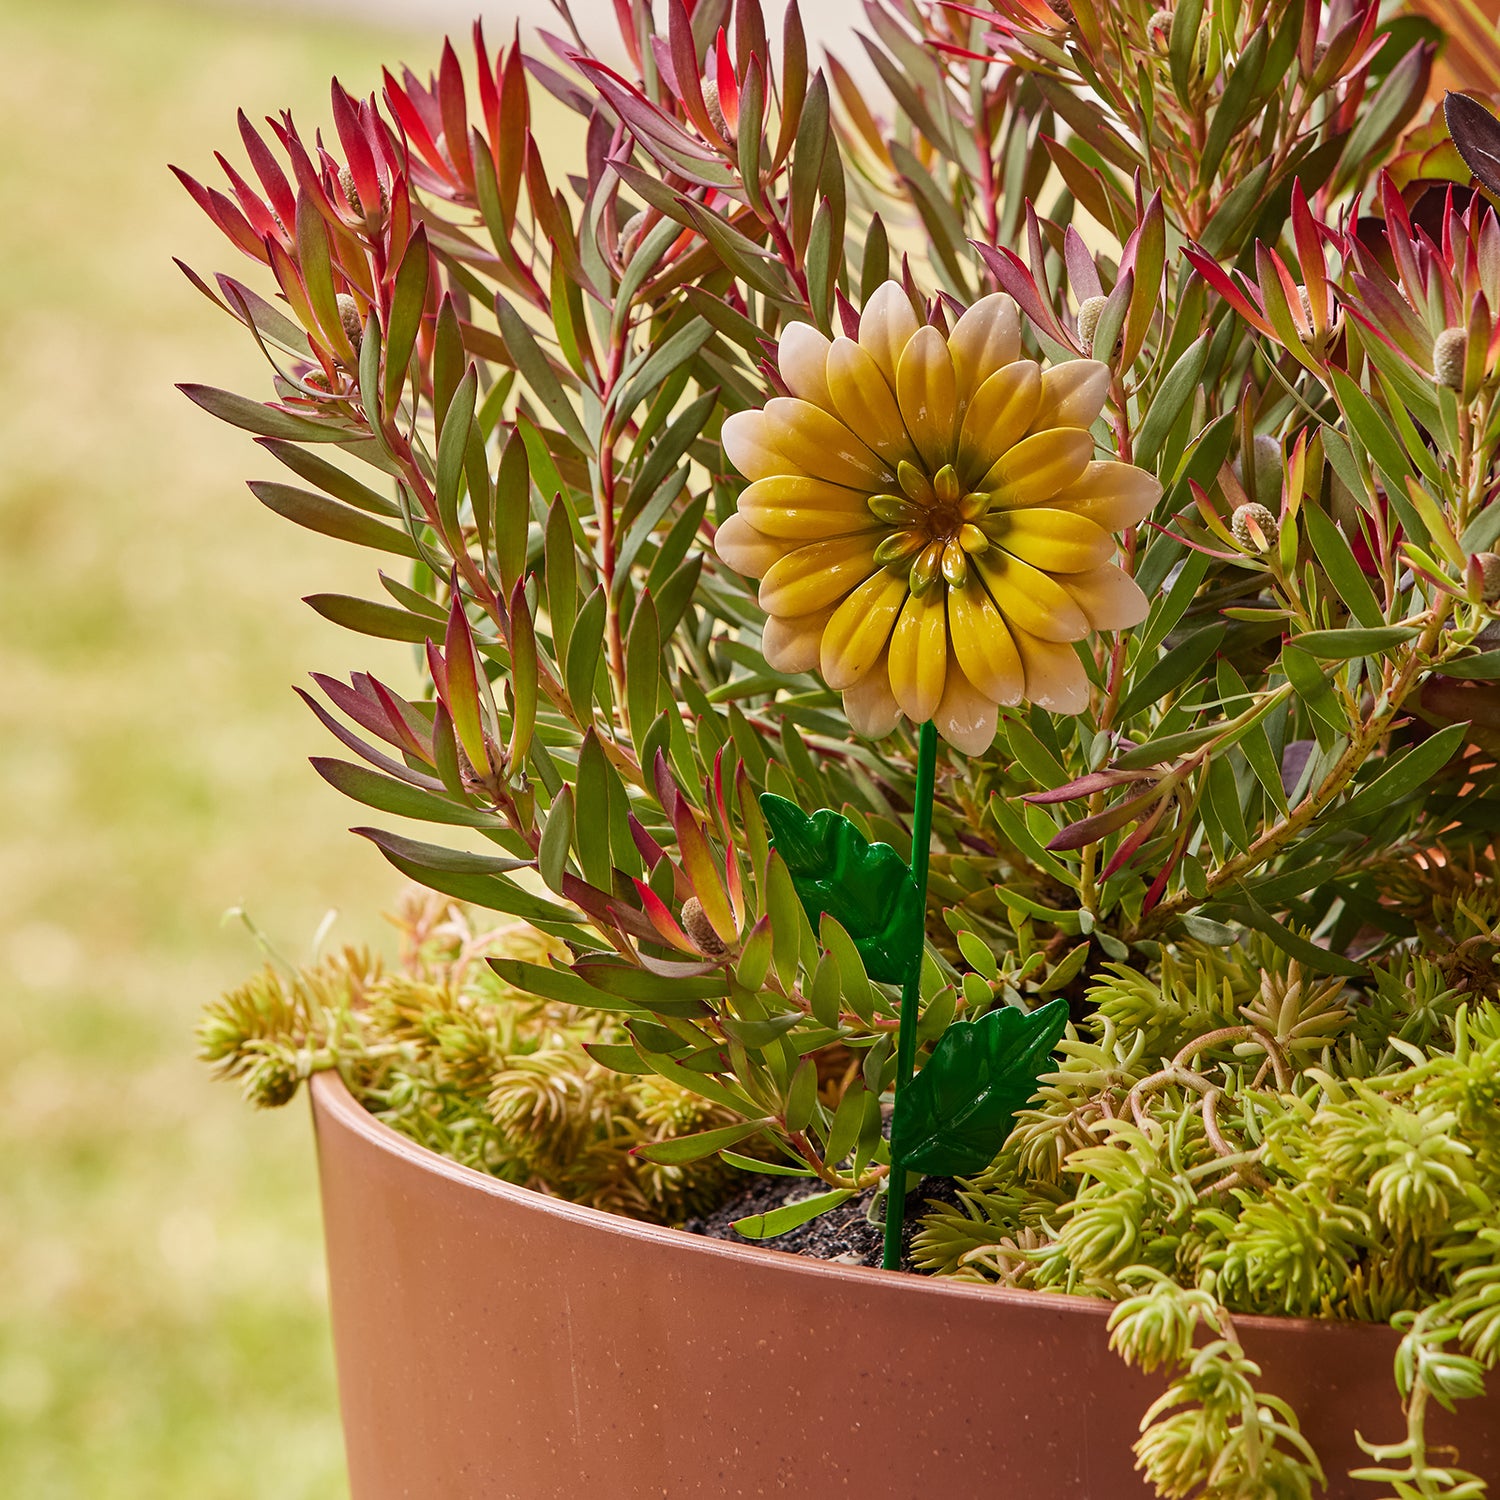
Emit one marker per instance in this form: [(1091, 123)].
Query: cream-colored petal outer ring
[(1111, 494), (802, 358), (870, 706), (1109, 596), (886, 326), (1055, 679), (744, 549), (965, 717), (790, 643), (985, 339), (1073, 394), (748, 445)]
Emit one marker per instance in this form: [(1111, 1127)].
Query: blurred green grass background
[(162, 1309)]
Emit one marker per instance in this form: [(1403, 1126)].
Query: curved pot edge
[(333, 1101)]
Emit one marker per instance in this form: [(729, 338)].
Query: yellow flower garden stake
[(932, 533)]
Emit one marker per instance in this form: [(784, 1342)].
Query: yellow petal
[(817, 575), (927, 390), (965, 717), (919, 655), (792, 505), (1110, 598), (998, 416), (748, 445), (865, 402), (856, 635), (886, 325), (1113, 495), (791, 645), (1055, 679), (1029, 598), (745, 550), (1072, 394), (870, 706), (1038, 467), (982, 645), (802, 358), (815, 443), (1056, 541), (985, 338)]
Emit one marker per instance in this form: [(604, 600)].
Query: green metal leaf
[(866, 888), (953, 1117)]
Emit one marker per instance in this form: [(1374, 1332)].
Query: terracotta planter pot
[(495, 1343)]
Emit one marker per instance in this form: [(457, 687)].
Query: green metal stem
[(911, 992)]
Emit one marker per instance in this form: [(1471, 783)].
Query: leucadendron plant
[(1010, 551)]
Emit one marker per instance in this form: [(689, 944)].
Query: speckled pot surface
[(495, 1343)]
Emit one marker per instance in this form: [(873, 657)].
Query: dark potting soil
[(844, 1234)]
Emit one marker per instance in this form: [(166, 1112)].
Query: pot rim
[(333, 1100)]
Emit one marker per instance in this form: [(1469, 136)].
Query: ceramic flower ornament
[(927, 520)]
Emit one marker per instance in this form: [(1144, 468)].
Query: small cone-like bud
[(346, 181), (354, 325), (697, 926), (1450, 351), (715, 109), (1488, 566), (1159, 29), (1088, 323), (630, 234), (1254, 528)]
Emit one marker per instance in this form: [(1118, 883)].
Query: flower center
[(934, 526)]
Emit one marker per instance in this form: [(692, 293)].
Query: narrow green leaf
[(536, 370), (407, 301), (383, 621), (1482, 668), (1336, 556), (314, 260), (591, 825), (524, 679), (329, 478), (397, 797), (1175, 391), (1344, 645), (686, 1148), (769, 1168), (789, 1215), (584, 646), (342, 522), (1179, 666), (493, 892), (557, 840), (1407, 772), (643, 668), (265, 421)]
